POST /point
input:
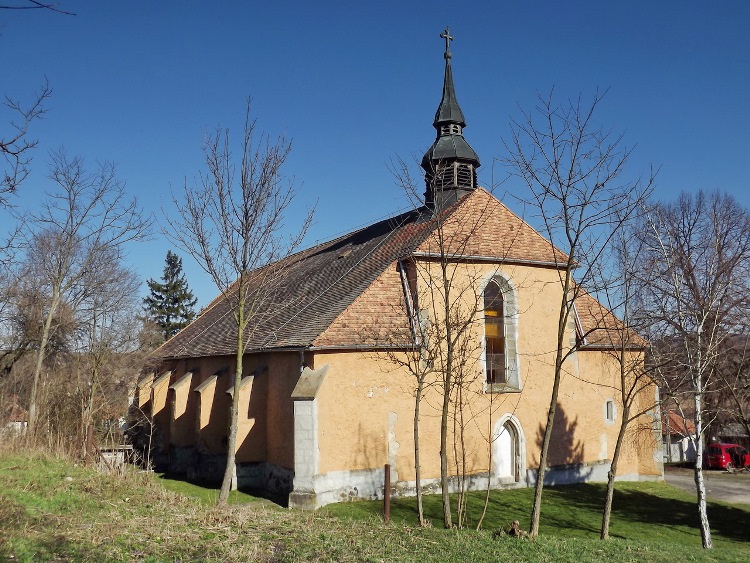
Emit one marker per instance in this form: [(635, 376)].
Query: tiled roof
[(674, 424), (316, 287), (601, 328), (485, 227), (327, 295)]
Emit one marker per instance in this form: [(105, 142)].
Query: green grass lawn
[(51, 509), (207, 495), (648, 512)]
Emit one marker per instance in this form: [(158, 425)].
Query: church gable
[(481, 226), (600, 328)]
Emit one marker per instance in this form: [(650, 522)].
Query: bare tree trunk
[(33, 400), (459, 456), (490, 441), (417, 461), (536, 509), (700, 485), (87, 415), (447, 383), (447, 518), (612, 473), (228, 483)]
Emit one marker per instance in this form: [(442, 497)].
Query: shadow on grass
[(634, 506), (208, 493), (641, 511)]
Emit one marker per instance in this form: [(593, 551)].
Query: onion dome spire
[(450, 163)]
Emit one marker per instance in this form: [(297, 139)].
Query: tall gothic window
[(494, 334)]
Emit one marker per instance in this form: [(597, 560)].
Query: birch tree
[(732, 399), (697, 269), (233, 224)]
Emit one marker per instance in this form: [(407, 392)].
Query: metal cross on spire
[(448, 38)]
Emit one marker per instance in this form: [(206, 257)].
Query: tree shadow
[(366, 456), (564, 448), (633, 506), (566, 451)]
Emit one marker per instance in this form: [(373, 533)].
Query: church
[(333, 366)]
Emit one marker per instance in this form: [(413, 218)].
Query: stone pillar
[(306, 450)]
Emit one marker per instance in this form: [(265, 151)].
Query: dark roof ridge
[(320, 283)]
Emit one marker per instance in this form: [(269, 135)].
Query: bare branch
[(37, 5), (232, 224), (16, 148)]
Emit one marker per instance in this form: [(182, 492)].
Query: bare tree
[(695, 295), (445, 311), (23, 319), (572, 171), (16, 147), (731, 399), (232, 224), (86, 219), (621, 341), (414, 357), (109, 330)]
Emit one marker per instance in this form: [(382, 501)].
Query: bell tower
[(450, 164)]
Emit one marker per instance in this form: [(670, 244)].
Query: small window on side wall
[(609, 410)]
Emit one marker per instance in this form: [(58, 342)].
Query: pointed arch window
[(494, 334), (500, 336)]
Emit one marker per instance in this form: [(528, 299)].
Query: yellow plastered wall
[(249, 448), (366, 403), (206, 393), (159, 405), (265, 418), (284, 372), (183, 411), (143, 393)]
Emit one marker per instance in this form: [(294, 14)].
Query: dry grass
[(52, 509)]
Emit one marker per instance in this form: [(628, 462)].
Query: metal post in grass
[(90, 443), (387, 494)]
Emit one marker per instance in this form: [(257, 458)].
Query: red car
[(726, 456)]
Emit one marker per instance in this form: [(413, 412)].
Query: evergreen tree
[(170, 305)]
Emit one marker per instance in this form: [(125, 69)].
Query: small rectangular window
[(610, 411)]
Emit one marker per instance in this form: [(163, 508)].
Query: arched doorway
[(508, 453)]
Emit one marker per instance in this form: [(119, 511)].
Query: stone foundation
[(343, 486), (204, 467), (181, 459)]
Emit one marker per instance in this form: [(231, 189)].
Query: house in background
[(733, 433), (324, 407), (13, 418), (676, 432)]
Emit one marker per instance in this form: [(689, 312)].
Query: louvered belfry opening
[(450, 164), (450, 176)]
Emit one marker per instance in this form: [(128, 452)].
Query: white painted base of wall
[(343, 486), (593, 472)]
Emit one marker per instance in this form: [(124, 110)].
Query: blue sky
[(355, 84)]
